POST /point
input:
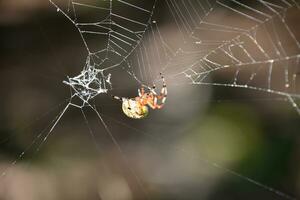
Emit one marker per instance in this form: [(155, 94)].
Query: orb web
[(260, 51)]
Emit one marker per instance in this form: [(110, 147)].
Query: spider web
[(260, 51)]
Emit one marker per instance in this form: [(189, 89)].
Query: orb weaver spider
[(137, 107)]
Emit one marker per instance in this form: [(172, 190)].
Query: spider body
[(134, 109), (137, 108)]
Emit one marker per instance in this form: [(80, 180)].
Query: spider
[(137, 107)]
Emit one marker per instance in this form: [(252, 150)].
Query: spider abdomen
[(134, 109)]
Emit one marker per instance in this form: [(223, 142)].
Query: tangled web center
[(89, 83)]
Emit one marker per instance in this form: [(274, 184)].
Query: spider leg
[(163, 80), (151, 104), (162, 96), (117, 98), (164, 92), (153, 89), (141, 91), (154, 105)]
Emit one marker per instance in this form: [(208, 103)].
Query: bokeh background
[(183, 151)]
